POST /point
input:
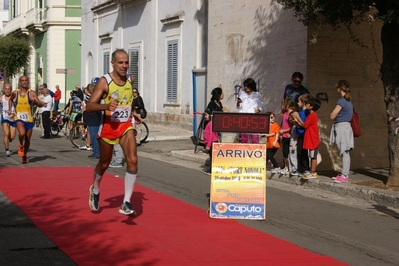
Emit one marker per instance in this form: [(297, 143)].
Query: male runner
[(7, 121), (24, 98), (113, 96)]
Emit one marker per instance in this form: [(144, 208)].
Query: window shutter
[(172, 71), (134, 66), (106, 63)]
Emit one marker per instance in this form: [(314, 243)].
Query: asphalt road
[(347, 229)]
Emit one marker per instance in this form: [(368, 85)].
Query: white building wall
[(254, 39), (138, 24)]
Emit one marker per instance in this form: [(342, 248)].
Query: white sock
[(130, 179), (96, 183)]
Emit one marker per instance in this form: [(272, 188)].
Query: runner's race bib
[(23, 116), (121, 114)]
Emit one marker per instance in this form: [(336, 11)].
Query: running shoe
[(8, 153), (21, 150), (126, 209), (24, 160), (94, 200), (341, 179)]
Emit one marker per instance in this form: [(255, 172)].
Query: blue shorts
[(12, 123), (28, 125)]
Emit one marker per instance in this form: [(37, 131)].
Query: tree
[(14, 55), (337, 13)]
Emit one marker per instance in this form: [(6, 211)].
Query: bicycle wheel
[(54, 130), (142, 132), (77, 135)]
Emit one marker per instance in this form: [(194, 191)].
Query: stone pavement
[(364, 184)]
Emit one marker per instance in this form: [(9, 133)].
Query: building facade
[(53, 29), (166, 43), (180, 50)]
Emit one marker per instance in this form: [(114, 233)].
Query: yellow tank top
[(23, 108), (117, 122)]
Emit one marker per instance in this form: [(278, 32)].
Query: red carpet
[(166, 231)]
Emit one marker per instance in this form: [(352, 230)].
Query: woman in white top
[(250, 101)]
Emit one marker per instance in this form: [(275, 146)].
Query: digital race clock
[(240, 122)]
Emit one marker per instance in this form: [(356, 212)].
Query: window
[(106, 61), (134, 67), (172, 74)]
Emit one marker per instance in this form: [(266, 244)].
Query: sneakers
[(284, 171), (24, 160), (276, 170), (295, 173), (21, 150), (8, 153), (207, 172), (341, 179), (126, 209), (86, 148), (313, 175), (115, 165), (306, 175), (94, 199)]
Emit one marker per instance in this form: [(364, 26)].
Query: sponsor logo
[(221, 207)]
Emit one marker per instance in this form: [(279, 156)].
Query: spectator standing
[(302, 153), (39, 110), (312, 137), (272, 143), (57, 97), (7, 121), (295, 89), (215, 103), (250, 101), (341, 131), (45, 110), (24, 98), (138, 103), (285, 133), (92, 120), (209, 138)]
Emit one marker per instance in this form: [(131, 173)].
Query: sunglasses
[(271, 116), (135, 92)]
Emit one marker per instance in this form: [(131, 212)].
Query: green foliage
[(342, 12), (14, 54)]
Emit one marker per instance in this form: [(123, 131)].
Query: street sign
[(64, 71)]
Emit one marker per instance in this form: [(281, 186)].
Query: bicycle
[(57, 127), (78, 134), (142, 131)]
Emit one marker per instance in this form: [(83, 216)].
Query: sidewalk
[(365, 184)]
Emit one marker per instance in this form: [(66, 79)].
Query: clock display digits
[(244, 122), (254, 122)]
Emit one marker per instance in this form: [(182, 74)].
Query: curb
[(377, 196), (346, 190)]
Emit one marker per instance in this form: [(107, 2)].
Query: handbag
[(143, 113), (355, 124)]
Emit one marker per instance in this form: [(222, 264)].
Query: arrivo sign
[(240, 122)]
